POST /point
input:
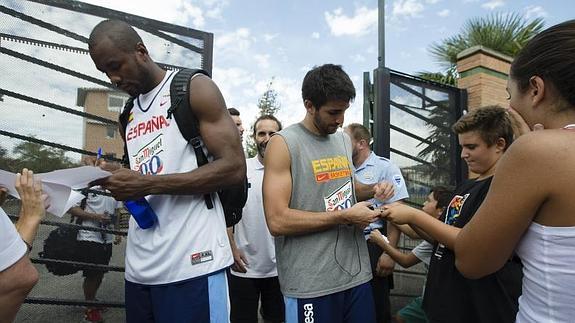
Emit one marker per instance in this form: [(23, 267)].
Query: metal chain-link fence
[(57, 108)]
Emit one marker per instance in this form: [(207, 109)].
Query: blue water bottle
[(142, 212)]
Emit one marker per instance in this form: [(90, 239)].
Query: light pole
[(381, 86)]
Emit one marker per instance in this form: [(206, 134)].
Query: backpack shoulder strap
[(179, 94), (185, 118), (123, 119)]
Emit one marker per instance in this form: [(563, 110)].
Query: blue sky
[(257, 40)]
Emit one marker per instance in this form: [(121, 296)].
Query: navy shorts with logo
[(354, 305), (197, 300)]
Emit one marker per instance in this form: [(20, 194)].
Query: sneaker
[(93, 315), (102, 308)]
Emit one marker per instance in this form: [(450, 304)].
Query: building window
[(116, 102), (110, 132)]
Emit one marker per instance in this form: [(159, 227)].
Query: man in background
[(254, 275), (371, 169), (235, 114)]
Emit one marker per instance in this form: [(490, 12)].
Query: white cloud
[(238, 40), (262, 60), (535, 12), (215, 8), (196, 14), (315, 35), (493, 4), (432, 1), (405, 55), (363, 22), (270, 37), (358, 58), (444, 13), (407, 8), (180, 12)]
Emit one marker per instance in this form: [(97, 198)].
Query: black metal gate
[(410, 119), (47, 122)]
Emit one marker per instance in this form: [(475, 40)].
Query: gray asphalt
[(112, 289)]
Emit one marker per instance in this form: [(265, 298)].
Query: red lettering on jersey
[(147, 127)]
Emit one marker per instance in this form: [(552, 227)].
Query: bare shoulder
[(542, 146), (277, 154)]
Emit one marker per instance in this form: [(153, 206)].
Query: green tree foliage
[(504, 33), (268, 103), (34, 156)]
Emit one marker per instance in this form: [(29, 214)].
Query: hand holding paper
[(59, 185)]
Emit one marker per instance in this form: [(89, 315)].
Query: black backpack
[(233, 198), (62, 244)]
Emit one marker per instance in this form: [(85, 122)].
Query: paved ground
[(70, 287), (112, 289)]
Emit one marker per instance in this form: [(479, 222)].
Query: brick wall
[(483, 72)]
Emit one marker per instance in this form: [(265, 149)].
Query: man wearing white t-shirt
[(96, 211), (254, 274)]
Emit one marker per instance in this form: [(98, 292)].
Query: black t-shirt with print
[(450, 297)]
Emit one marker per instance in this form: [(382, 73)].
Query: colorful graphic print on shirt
[(327, 169), (148, 160), (341, 198)]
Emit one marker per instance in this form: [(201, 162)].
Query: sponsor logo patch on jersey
[(147, 160), (340, 199), (326, 169), (201, 257)]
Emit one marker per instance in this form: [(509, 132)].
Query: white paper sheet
[(75, 178), (59, 185)]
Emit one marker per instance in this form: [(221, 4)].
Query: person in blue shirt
[(370, 169)]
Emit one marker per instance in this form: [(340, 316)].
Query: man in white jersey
[(175, 270), (17, 274), (254, 276)]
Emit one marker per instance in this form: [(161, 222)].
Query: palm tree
[(506, 34)]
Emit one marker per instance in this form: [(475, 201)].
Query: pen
[(99, 155)]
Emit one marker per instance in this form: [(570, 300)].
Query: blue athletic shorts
[(354, 305), (197, 300)]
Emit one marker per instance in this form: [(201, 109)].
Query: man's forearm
[(208, 178), (293, 222), (363, 192), (230, 232)]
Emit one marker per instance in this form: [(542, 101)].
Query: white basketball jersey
[(189, 240)]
